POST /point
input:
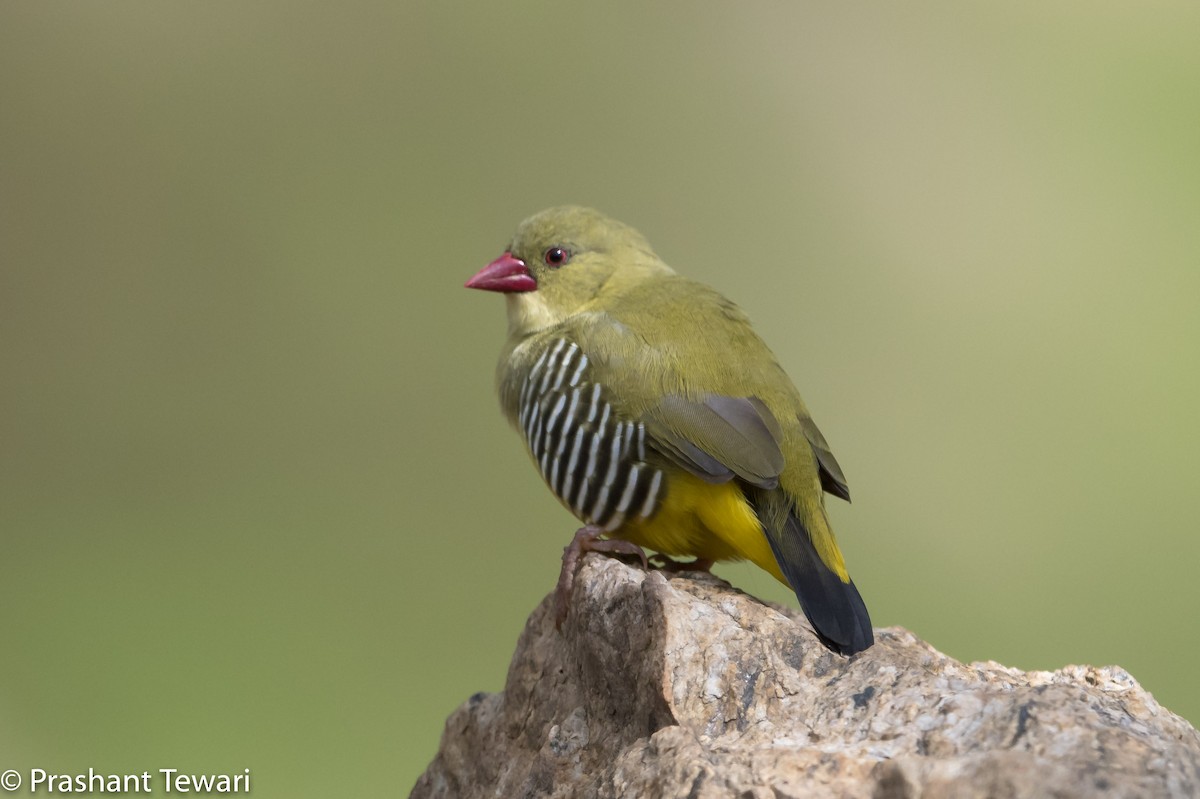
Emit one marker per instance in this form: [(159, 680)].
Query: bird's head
[(563, 259)]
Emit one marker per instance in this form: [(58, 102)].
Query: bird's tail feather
[(832, 605)]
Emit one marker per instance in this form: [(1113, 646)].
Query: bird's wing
[(708, 390), (718, 437), (832, 479), (697, 419)]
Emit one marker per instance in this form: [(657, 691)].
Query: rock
[(676, 685)]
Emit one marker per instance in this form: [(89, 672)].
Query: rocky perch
[(676, 685)]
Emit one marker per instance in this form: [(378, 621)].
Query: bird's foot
[(587, 539), (667, 564)]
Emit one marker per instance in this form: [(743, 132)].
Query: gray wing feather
[(832, 479), (719, 437)]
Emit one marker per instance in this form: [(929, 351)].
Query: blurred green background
[(259, 508)]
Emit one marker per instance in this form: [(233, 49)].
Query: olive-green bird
[(660, 418)]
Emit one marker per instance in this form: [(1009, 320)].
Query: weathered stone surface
[(679, 686)]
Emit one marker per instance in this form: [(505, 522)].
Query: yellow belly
[(702, 520)]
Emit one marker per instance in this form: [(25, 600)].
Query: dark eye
[(557, 256)]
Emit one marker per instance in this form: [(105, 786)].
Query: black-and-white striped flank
[(594, 462)]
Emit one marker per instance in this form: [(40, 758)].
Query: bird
[(661, 420)]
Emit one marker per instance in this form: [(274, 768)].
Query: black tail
[(834, 607)]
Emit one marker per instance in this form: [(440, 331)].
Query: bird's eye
[(557, 256)]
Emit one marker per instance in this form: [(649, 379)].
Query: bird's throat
[(528, 313)]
